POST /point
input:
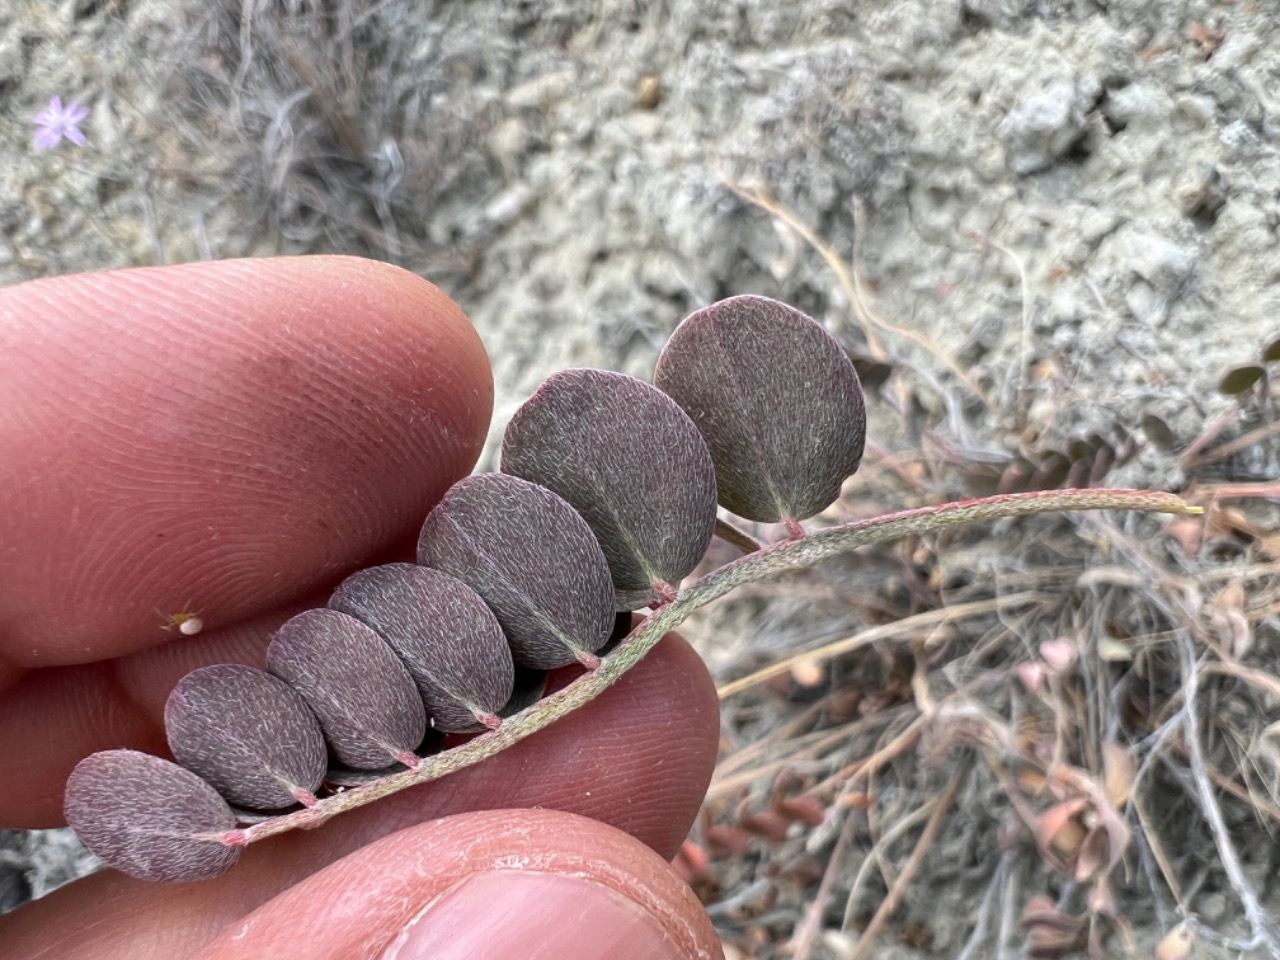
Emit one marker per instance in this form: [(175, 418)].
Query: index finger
[(220, 435)]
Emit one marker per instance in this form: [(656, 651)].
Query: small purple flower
[(55, 122)]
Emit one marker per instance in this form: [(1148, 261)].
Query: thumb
[(536, 884)]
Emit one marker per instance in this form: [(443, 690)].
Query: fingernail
[(538, 916)]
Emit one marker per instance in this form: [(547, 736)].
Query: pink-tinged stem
[(778, 558)]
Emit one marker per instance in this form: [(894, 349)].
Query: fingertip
[(49, 720), (538, 884), (221, 434)]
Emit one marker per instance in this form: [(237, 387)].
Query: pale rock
[(1045, 123)]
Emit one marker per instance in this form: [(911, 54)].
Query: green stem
[(773, 560)]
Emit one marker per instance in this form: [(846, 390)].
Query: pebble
[(1042, 126), (1161, 262)]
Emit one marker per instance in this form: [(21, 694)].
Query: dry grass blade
[(938, 807), (900, 629), (807, 933), (1197, 460), (739, 538), (1167, 871), (1263, 926)]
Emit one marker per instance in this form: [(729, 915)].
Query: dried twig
[(940, 806), (739, 538), (1243, 442), (805, 935), (999, 880), (1263, 927)]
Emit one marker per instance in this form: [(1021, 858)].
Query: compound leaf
[(150, 818), (443, 632), (631, 462), (248, 734), (367, 704), (778, 401), (532, 558)]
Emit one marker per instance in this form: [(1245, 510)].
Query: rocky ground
[(1045, 229)]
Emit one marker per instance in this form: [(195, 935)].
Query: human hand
[(236, 437)]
